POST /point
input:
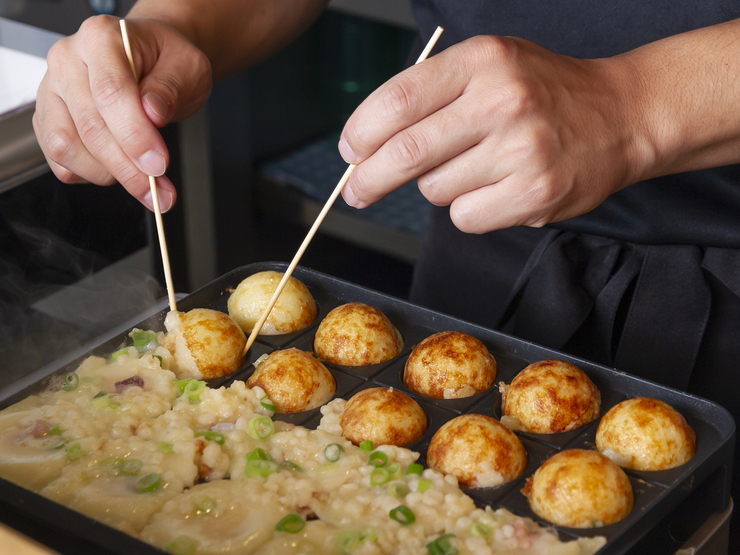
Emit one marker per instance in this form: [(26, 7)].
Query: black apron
[(648, 282)]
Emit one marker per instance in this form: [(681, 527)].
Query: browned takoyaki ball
[(478, 450), (549, 397), (645, 434), (357, 334), (294, 309), (293, 380), (384, 416), (581, 489), (204, 343), (449, 365)]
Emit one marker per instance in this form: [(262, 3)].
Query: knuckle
[(91, 128), (96, 26), (398, 97), (107, 88), (432, 189), (58, 145), (408, 151), (65, 176)]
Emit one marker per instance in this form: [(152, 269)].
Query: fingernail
[(165, 200), (153, 163), (346, 151), (349, 196), (156, 103)]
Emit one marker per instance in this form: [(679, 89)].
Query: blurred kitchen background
[(253, 169)]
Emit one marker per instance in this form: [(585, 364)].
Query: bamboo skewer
[(320, 218), (153, 188)]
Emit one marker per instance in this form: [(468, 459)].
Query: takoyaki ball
[(645, 434), (384, 416), (449, 365), (294, 309), (356, 334), (204, 343), (293, 380), (581, 489), (478, 450), (549, 397)]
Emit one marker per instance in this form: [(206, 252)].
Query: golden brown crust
[(356, 334), (384, 416), (449, 364), (294, 310), (472, 445), (647, 434), (552, 396), (293, 380), (214, 340), (580, 488)]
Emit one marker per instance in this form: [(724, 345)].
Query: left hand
[(503, 131)]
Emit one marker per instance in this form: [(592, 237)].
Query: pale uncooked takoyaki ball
[(356, 334), (449, 365), (645, 434), (549, 397), (581, 489), (293, 380), (478, 450), (294, 309), (205, 343), (384, 416)]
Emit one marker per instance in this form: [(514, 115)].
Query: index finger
[(404, 100), (117, 97)]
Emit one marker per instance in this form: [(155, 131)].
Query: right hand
[(95, 124)]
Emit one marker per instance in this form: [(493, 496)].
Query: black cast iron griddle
[(702, 484)]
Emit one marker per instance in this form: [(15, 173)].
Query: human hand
[(96, 124), (503, 131)]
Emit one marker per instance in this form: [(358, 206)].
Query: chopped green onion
[(161, 360), (442, 546), (149, 483), (398, 490), (267, 404), (480, 530), (424, 485), (261, 427), (291, 466), (368, 534), (403, 514), (291, 523), (144, 340), (378, 459), (55, 431), (117, 354), (414, 468), (261, 468), (90, 380), (346, 541), (333, 451), (114, 405), (259, 454), (111, 463), (366, 445), (191, 388), (130, 467), (165, 448), (203, 503), (327, 467), (75, 452), (379, 477), (394, 471), (218, 437), (181, 545), (71, 381), (62, 443), (100, 400)]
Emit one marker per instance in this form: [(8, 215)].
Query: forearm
[(682, 99), (233, 34)]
